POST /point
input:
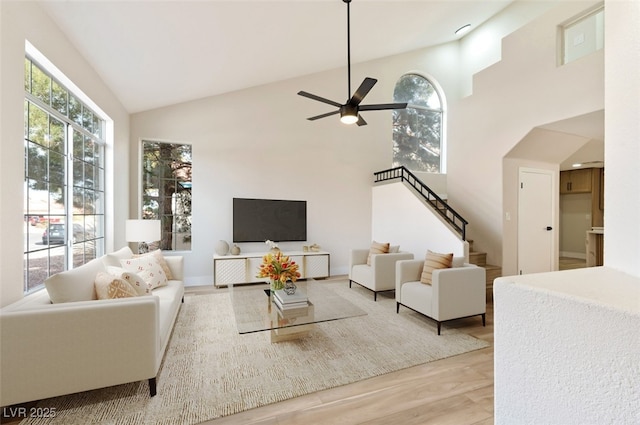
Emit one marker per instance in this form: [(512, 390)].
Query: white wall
[(566, 343), (401, 218), (622, 136), (524, 90), (258, 143), (20, 21)]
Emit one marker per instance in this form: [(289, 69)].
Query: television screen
[(258, 220)]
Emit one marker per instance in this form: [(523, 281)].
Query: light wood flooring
[(457, 391)]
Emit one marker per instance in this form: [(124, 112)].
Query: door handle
[(549, 228)]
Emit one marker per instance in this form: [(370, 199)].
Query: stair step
[(493, 272), (478, 258)]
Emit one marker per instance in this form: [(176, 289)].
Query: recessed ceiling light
[(576, 165), (463, 29)]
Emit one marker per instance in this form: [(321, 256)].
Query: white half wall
[(567, 348), (400, 218)]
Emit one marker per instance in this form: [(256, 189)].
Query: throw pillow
[(132, 279), (148, 269), (157, 254), (113, 259), (110, 287), (434, 261), (377, 248), (74, 285)]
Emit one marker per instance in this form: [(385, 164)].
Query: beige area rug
[(210, 370)]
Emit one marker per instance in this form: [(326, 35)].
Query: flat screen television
[(258, 220)]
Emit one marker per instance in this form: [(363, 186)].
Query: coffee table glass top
[(255, 311)]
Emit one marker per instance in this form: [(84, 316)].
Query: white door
[(536, 234)]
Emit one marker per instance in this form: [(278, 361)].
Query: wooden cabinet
[(234, 269), (586, 180), (576, 181)]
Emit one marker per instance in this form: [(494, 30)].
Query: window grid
[(166, 192), (64, 179)]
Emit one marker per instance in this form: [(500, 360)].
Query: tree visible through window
[(417, 130), (166, 191)]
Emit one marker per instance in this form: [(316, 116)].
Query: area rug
[(211, 371)]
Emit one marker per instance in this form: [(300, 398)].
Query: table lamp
[(142, 231)]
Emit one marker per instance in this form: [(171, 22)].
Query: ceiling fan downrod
[(348, 48)]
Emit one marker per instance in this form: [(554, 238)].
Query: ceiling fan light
[(348, 114), (349, 119)]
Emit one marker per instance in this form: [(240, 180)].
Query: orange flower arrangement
[(278, 268)]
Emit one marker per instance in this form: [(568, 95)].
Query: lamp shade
[(142, 230)]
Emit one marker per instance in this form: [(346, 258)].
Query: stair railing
[(448, 214)]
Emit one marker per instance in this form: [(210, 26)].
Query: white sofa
[(455, 293), (50, 349), (380, 275)]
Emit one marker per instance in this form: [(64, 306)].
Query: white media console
[(243, 268)]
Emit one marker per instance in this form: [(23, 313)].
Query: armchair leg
[(439, 324), (350, 283), (152, 387), (375, 296), (484, 321), (397, 307)]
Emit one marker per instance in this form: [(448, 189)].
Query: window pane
[(75, 110), (40, 85), (38, 125), (37, 162), (59, 98), (166, 188), (27, 75), (417, 131), (56, 135)]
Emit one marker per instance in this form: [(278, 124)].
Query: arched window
[(417, 131)]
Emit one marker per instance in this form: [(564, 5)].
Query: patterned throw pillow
[(432, 262), (377, 248), (110, 287), (131, 278), (157, 254), (148, 269)]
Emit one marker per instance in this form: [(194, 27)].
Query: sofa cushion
[(433, 261), (109, 287), (76, 284), (157, 254), (377, 248), (113, 259), (148, 269), (131, 278)]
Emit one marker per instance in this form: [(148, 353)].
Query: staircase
[(493, 272)]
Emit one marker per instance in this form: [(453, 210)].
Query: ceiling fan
[(349, 111)]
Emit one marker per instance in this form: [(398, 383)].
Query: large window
[(64, 178), (417, 131), (166, 191)]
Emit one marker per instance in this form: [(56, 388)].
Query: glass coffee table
[(256, 311)]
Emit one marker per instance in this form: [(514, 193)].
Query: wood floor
[(457, 391)]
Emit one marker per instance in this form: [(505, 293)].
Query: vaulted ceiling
[(156, 53)]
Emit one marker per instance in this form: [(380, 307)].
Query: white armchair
[(455, 293), (380, 275)]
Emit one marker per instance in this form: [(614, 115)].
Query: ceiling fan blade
[(328, 114), (319, 99), (361, 121), (381, 106), (362, 91)]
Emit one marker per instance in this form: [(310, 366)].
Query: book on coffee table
[(286, 301)]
